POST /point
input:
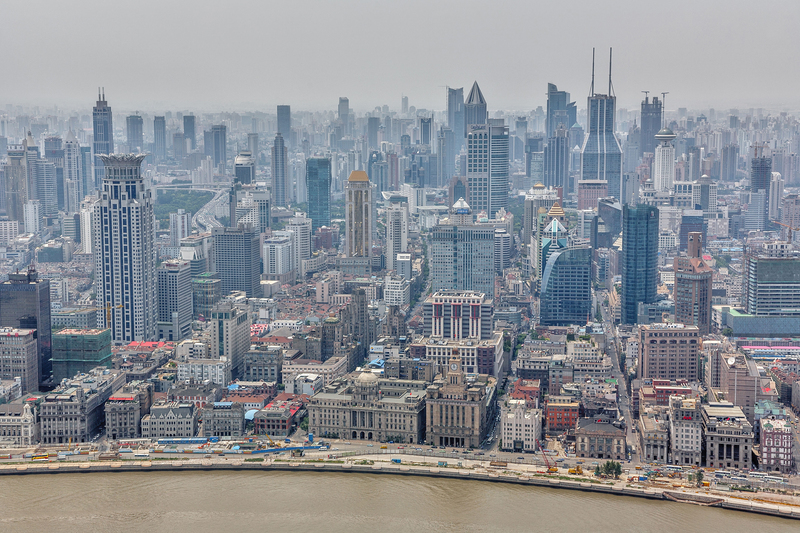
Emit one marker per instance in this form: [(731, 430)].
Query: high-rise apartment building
[(16, 182), (180, 226), (281, 190), (669, 351), (135, 133), (462, 253), (560, 111), (651, 120), (639, 259), (277, 257), (318, 184), (124, 249), (299, 226), (103, 139), (25, 304), (18, 357), (475, 107), (230, 335), (692, 289), (238, 260), (72, 173), (396, 230), (664, 162), (189, 131), (285, 123)]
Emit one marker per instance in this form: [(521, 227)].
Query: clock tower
[(455, 375)]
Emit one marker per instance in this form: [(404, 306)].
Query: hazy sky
[(157, 55)]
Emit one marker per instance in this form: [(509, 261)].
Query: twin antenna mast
[(610, 85)]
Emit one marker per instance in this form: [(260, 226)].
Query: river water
[(177, 502)]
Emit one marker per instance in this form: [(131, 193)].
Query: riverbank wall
[(783, 511)]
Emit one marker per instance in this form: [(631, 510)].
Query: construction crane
[(551, 469), (108, 308), (791, 229)]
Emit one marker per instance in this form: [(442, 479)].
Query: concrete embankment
[(784, 511)]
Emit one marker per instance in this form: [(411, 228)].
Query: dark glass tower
[(135, 133), (285, 123), (25, 303), (639, 262), (219, 146), (280, 189), (455, 113), (189, 131), (760, 177), (652, 112), (160, 138), (567, 287), (318, 184), (559, 110)]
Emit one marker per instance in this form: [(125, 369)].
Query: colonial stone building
[(728, 437), (459, 406), (599, 438), (368, 408)]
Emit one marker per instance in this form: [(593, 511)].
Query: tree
[(699, 477), (597, 471), (304, 424)]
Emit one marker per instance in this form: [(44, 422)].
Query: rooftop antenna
[(645, 95), (591, 92), (664, 112), (610, 90), (98, 93)]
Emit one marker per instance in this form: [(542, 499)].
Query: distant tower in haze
[(103, 131), (124, 249), (285, 123), (556, 160), (651, 120), (135, 133), (404, 105), (160, 138), (318, 183), (760, 178), (344, 114), (664, 161), (189, 130), (16, 182), (244, 168), (455, 114), (487, 166), (373, 124), (73, 185), (219, 147), (559, 110), (280, 157), (601, 154), (475, 108)]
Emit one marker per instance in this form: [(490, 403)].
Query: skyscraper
[(160, 138), (175, 306), (299, 228), (238, 259), (358, 219), (560, 111), (285, 123), (729, 163), (455, 115), (639, 261), (567, 287), (487, 166), (16, 182), (25, 303), (652, 116), (664, 162), (760, 178), (692, 290), (124, 251), (396, 229), (280, 181), (601, 154), (135, 133), (556, 160), (180, 226), (475, 107), (244, 168), (72, 173), (219, 147), (373, 125), (103, 140), (189, 130), (344, 114), (462, 253), (318, 183)]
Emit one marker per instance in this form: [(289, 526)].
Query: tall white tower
[(664, 163), (125, 252), (396, 230), (72, 173)]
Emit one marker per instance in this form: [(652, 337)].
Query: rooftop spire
[(610, 90), (591, 91)]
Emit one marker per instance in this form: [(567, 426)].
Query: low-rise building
[(19, 424), (80, 350), (654, 436), (599, 438), (125, 409), (278, 418), (776, 445), (479, 356), (170, 419), (562, 414), (304, 384), (521, 427), (223, 419), (263, 362), (366, 407), (330, 369), (728, 437), (198, 394), (214, 370), (686, 430)]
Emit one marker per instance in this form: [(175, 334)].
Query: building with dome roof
[(368, 407)]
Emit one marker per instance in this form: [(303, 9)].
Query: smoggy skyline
[(247, 55)]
